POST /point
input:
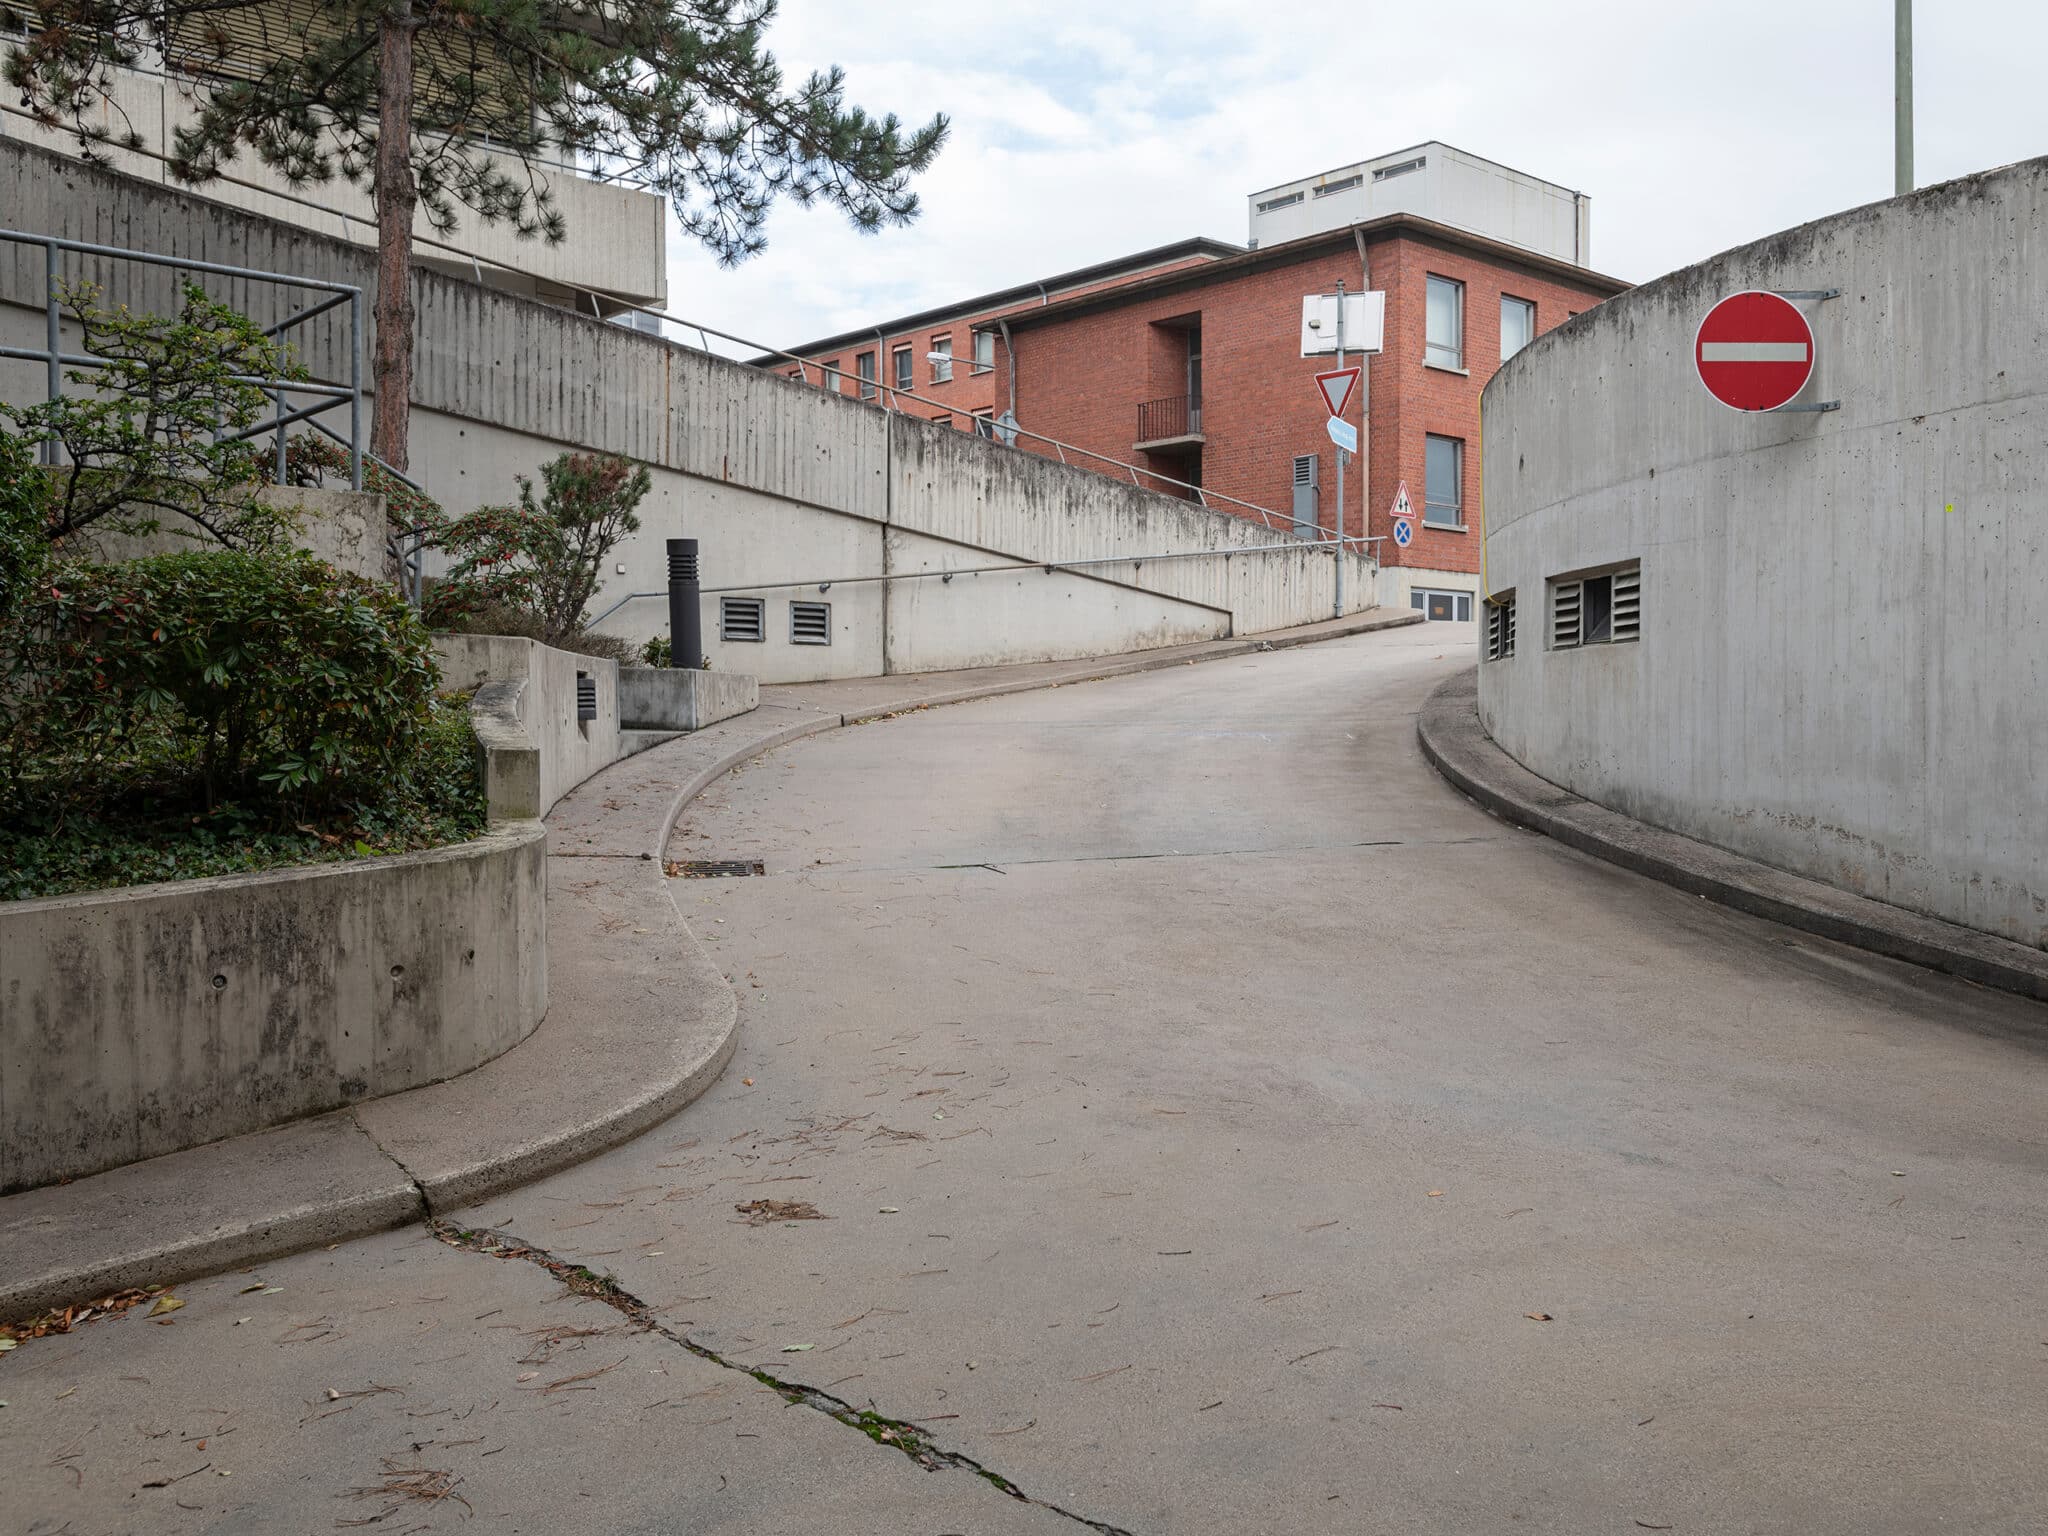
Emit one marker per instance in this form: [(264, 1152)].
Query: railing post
[(355, 390), (278, 395), (685, 606), (55, 333)]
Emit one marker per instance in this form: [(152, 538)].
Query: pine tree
[(461, 105)]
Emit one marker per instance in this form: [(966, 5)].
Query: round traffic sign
[(1403, 531), (1754, 351)]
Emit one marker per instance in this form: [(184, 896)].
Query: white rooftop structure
[(1433, 181)]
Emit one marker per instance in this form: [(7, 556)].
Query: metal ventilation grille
[(586, 696), (810, 623), (1305, 469), (1500, 628), (1564, 614), (743, 618), (1628, 604)]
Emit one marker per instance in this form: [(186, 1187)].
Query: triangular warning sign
[(1336, 386), (1403, 507)]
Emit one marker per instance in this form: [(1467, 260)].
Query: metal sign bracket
[(1810, 296)]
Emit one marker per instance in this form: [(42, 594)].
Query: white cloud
[(1083, 131)]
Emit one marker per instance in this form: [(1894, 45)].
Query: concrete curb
[(1458, 747), (564, 1094)]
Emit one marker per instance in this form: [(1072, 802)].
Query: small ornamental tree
[(151, 436), (541, 560), (461, 103)]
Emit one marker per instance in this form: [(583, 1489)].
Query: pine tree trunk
[(397, 197)]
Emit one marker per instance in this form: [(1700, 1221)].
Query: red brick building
[(1196, 372), (890, 362)]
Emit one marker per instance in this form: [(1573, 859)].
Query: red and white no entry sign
[(1754, 351)]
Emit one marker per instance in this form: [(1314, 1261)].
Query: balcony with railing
[(1174, 421)]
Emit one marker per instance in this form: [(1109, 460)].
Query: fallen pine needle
[(584, 1375), (1100, 1374)]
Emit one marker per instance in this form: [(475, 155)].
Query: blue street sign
[(1403, 532), (1343, 434)]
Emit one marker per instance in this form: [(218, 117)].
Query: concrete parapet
[(539, 715)]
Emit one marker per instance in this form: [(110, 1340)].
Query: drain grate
[(712, 869)]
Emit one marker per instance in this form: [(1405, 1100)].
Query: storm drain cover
[(712, 869)]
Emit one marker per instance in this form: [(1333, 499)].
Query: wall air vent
[(810, 623), (1500, 627), (743, 618)]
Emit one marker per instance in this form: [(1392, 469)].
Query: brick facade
[(1084, 367), (968, 394)]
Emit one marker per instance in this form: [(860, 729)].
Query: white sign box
[(1365, 320)]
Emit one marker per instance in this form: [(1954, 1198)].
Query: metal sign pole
[(1902, 98), (1337, 549)]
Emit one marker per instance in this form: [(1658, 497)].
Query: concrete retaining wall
[(1843, 669), (344, 528), (786, 487), (137, 1022)]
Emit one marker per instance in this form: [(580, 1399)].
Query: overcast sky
[(1083, 130)]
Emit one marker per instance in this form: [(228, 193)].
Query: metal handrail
[(623, 304), (56, 359), (1050, 567)]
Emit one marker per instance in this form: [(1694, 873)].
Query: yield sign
[(1337, 386), (1754, 351)]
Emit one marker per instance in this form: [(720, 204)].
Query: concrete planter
[(142, 1021), (682, 698)]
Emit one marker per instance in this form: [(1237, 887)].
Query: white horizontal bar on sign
[(1752, 351)]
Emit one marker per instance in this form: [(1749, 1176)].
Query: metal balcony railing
[(1173, 416)]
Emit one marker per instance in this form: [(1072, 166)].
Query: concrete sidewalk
[(639, 1023)]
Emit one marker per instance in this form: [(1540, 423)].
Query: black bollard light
[(685, 606)]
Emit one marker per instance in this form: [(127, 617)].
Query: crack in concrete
[(912, 1439), (426, 1203)]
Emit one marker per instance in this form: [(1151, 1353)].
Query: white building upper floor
[(1436, 182), (614, 252)]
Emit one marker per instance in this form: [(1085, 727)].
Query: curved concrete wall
[(1843, 668), (137, 1022)]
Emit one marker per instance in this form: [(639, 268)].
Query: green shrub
[(269, 678), (541, 559), (437, 800)]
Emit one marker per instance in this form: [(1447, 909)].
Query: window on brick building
[(1439, 606), (904, 377), (984, 351), (1443, 482), (985, 423), (864, 365), (1517, 325), (1444, 324), (942, 366), (831, 377)]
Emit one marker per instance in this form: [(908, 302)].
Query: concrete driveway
[(1185, 1108)]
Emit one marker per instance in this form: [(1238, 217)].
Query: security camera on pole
[(1336, 323)]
